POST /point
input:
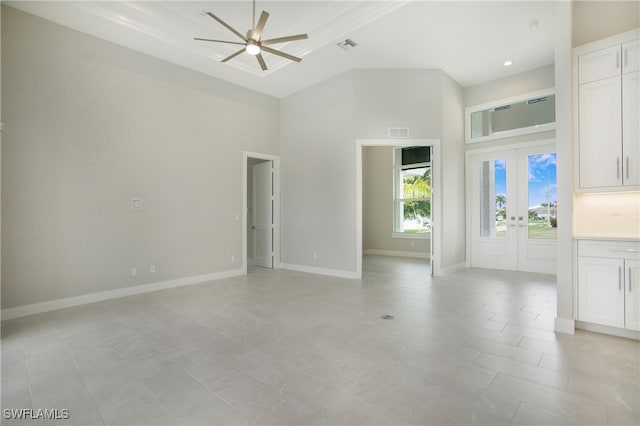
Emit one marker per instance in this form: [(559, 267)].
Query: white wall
[(453, 174), (319, 126), (397, 98), (377, 206), (318, 176), (0, 153), (89, 125)]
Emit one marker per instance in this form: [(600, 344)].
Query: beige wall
[(90, 125), (595, 20), (377, 205)]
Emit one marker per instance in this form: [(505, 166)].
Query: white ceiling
[(468, 40)]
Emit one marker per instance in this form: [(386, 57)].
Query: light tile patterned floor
[(288, 348)]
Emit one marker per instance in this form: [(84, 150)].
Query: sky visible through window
[(542, 178)]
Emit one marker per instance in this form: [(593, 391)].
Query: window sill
[(421, 236)]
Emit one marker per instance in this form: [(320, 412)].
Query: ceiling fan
[(252, 42)]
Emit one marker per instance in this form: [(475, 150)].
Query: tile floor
[(288, 348)]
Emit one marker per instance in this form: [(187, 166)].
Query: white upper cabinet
[(631, 128), (607, 123), (600, 150), (631, 56), (603, 63)]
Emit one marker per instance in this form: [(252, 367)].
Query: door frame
[(436, 197), (467, 168), (246, 155)]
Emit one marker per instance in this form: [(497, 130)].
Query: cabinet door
[(600, 292), (600, 133), (632, 295), (599, 65), (631, 128), (631, 56)]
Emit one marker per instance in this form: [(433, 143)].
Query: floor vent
[(398, 132)]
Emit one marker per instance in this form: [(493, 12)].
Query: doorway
[(434, 249), (513, 209), (261, 207)]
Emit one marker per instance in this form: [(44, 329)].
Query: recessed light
[(507, 63)]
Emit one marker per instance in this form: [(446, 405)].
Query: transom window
[(412, 192)]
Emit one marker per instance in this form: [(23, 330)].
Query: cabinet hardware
[(617, 167), (627, 167), (619, 278), (629, 279), (617, 60), (626, 58), (626, 250)]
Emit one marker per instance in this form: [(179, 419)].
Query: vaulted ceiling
[(468, 40)]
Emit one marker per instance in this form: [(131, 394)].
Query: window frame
[(397, 180)]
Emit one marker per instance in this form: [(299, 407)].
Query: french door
[(513, 209)]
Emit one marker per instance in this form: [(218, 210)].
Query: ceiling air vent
[(398, 132), (347, 44)]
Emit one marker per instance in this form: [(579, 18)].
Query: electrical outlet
[(315, 255), (152, 269), (233, 258), (134, 271)]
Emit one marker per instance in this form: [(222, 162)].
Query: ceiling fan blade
[(263, 65), (218, 41), (257, 31), (279, 53), (284, 39), (229, 27), (228, 58)]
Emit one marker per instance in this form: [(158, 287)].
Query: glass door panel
[(541, 188), (493, 198)]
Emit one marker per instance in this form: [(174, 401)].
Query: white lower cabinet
[(608, 283), (632, 295)]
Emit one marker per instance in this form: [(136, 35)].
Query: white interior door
[(513, 209), (262, 226)]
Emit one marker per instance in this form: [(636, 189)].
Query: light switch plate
[(136, 203)]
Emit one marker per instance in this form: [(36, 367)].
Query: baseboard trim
[(53, 305), (604, 329), (395, 253), (453, 268), (320, 271), (565, 325)]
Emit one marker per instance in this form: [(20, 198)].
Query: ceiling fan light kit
[(252, 43)]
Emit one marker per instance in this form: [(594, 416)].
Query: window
[(412, 192)]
